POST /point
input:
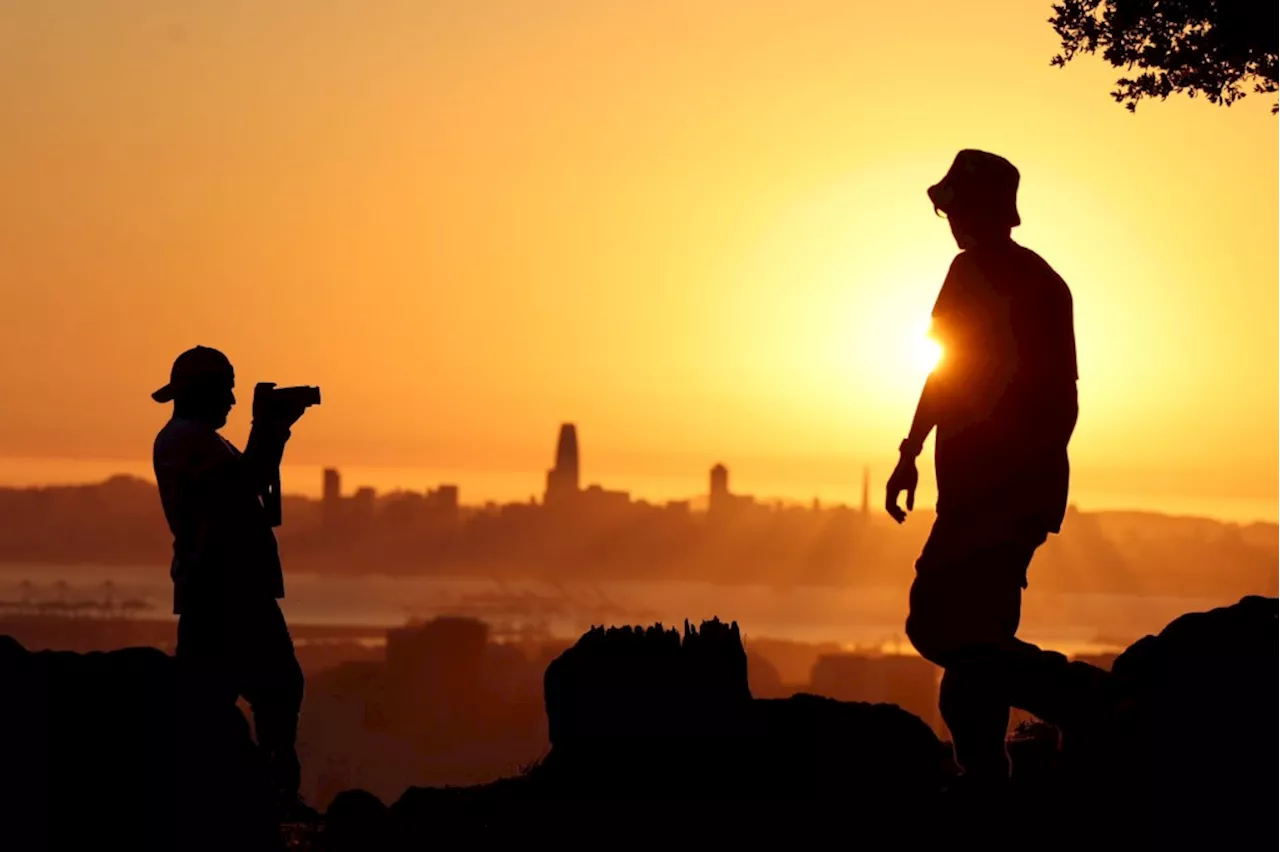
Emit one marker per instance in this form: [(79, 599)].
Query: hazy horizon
[(520, 484)]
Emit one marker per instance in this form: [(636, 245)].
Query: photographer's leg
[(275, 686)]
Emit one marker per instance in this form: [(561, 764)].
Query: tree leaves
[(1220, 49)]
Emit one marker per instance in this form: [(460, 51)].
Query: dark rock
[(100, 750), (646, 682), (1194, 748), (356, 821), (507, 809), (814, 747), (654, 732), (626, 705)]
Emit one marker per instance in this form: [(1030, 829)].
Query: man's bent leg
[(966, 604), (978, 720), (940, 627)]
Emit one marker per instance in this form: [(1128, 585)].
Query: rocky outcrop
[(625, 683), (652, 722), (356, 821), (100, 751), (626, 704), (657, 730), (1180, 749), (1192, 749)]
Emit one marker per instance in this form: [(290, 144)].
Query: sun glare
[(927, 353)]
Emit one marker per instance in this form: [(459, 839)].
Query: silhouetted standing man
[(1003, 399), (232, 638)]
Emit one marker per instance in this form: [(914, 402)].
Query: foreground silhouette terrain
[(655, 732)]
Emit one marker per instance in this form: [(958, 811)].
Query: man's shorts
[(968, 587)]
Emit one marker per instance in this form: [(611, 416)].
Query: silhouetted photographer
[(1004, 402), (222, 505)]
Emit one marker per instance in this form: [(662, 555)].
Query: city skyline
[(564, 485), (517, 483)]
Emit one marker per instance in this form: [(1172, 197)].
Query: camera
[(268, 400), (303, 395)]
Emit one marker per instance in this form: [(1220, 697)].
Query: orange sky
[(699, 230)]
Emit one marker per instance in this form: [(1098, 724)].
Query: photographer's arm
[(263, 453)]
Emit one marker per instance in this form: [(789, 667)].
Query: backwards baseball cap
[(194, 367), (979, 181)]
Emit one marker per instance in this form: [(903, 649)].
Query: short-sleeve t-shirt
[(1007, 386), (223, 545)]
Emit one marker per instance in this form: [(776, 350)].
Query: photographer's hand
[(264, 450), (273, 411), (288, 413)]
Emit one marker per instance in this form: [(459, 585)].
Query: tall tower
[(563, 479), (331, 503), (866, 491), (718, 495)]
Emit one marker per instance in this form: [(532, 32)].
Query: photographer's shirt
[(224, 549)]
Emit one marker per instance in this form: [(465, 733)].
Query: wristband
[(906, 448)]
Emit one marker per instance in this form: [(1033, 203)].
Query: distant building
[(446, 496), (362, 505), (443, 503), (403, 509), (434, 672), (331, 503), (866, 492), (719, 500), (599, 500), (563, 479)]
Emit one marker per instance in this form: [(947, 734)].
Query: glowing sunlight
[(926, 354)]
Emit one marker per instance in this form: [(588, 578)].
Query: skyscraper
[(866, 492), (563, 479), (331, 504), (718, 496)]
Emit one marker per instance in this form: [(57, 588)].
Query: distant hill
[(119, 521)]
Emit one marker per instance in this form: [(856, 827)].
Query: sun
[(926, 353)]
